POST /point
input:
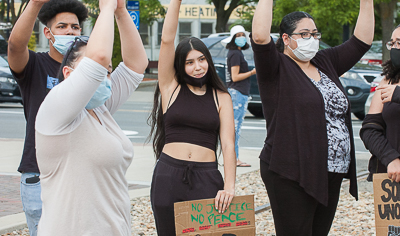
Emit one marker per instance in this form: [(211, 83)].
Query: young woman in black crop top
[(380, 130), (194, 110)]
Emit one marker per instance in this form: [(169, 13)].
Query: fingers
[(380, 87), (217, 200), (386, 99), (223, 200), (394, 176), (228, 200), (386, 95)]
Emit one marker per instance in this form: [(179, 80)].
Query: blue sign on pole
[(135, 17), (133, 9), (132, 5)]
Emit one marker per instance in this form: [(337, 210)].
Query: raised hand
[(108, 4)]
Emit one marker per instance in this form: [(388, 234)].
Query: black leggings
[(294, 211), (177, 180)]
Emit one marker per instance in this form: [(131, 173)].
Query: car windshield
[(3, 62), (376, 47)]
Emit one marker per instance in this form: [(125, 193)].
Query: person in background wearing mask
[(82, 153), (380, 130), (192, 114), (36, 74), (238, 80), (309, 147)]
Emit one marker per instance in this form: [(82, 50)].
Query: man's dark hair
[(52, 8)]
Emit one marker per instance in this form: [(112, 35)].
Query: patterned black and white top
[(336, 106)]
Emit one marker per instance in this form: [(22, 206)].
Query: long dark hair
[(288, 25), (391, 73), (232, 45), (155, 119)]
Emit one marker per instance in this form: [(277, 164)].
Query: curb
[(148, 83), (12, 222)]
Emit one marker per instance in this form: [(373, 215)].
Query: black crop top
[(192, 119)]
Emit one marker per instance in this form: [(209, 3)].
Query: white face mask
[(62, 42), (306, 48)]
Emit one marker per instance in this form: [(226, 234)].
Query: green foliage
[(246, 19), (329, 16), (150, 10), (32, 42), (116, 55)]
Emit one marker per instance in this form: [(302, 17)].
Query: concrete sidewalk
[(139, 176)]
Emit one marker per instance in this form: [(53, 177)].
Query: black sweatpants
[(177, 180), (295, 212)]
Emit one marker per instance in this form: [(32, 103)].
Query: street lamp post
[(8, 18)]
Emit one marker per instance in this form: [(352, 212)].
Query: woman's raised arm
[(262, 22), (365, 25), (101, 40), (166, 71), (132, 49)]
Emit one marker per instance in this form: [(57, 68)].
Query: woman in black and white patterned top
[(309, 147), (336, 106)]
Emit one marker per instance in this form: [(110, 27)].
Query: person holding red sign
[(194, 111), (309, 147)]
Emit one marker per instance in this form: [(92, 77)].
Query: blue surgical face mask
[(101, 95), (62, 42), (240, 41)]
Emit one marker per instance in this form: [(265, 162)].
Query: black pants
[(177, 180), (294, 211)]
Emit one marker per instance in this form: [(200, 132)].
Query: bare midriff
[(189, 152)]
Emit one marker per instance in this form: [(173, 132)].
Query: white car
[(374, 54), (374, 84)]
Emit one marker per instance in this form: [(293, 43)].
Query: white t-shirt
[(82, 162)]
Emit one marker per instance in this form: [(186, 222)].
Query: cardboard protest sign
[(199, 218), (387, 206)]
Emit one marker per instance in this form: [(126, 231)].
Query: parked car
[(356, 81), (219, 34), (3, 46), (374, 84), (374, 54), (9, 89)]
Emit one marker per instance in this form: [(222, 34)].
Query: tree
[(150, 10), (224, 14), (386, 10), (14, 12)]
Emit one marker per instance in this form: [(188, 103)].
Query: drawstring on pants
[(186, 175)]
